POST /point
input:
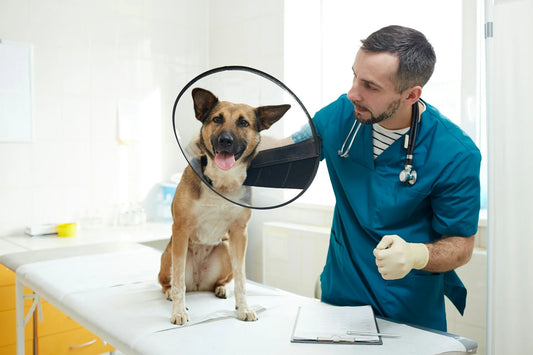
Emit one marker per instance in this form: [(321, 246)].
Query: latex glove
[(395, 257)]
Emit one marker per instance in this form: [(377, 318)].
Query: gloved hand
[(395, 257)]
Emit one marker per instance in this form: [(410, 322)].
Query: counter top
[(8, 247), (135, 234)]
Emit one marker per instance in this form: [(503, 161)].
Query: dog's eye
[(243, 123), (218, 119)]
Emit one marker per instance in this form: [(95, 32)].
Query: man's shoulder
[(342, 103), (450, 136), (339, 109)]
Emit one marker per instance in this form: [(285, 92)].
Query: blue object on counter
[(163, 202), (168, 190), (158, 201)]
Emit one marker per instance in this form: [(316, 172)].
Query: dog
[(209, 233)]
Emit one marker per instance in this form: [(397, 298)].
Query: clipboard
[(324, 323)]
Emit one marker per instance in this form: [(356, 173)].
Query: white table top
[(7, 247), (87, 236), (112, 290)]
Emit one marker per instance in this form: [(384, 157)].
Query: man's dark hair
[(416, 55)]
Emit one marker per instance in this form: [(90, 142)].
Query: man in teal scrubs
[(394, 245)]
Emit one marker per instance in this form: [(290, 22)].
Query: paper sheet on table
[(111, 276), (146, 311), (202, 308)]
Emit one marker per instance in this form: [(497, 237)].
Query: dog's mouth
[(225, 160)]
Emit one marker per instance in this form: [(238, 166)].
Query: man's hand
[(395, 257)]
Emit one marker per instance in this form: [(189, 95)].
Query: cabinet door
[(57, 333), (79, 341), (54, 321), (12, 349), (8, 330), (7, 277), (8, 312), (60, 334)]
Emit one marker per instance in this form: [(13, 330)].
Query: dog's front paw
[(246, 314), (179, 318), (178, 315), (167, 294), (220, 292)]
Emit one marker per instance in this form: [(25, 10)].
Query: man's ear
[(268, 115), (204, 101), (413, 94)]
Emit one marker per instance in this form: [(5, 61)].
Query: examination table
[(112, 290)]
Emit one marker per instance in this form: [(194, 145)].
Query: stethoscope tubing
[(408, 174), (411, 135), (342, 153)]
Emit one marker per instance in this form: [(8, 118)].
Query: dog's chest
[(215, 215)]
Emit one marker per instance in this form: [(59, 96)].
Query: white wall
[(89, 57), (510, 282), (247, 33), (92, 56)]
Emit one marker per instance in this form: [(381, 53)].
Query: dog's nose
[(225, 139)]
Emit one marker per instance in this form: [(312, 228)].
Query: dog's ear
[(268, 115), (204, 101)]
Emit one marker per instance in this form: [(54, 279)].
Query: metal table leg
[(21, 321)]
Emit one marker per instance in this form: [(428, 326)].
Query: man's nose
[(354, 93)]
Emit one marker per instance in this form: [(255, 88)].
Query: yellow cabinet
[(79, 341), (56, 334)]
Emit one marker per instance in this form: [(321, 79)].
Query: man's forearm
[(449, 253)]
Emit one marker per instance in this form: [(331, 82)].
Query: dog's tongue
[(225, 160)]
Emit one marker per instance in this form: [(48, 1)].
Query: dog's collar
[(203, 164)]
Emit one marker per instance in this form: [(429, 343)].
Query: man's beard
[(391, 110)]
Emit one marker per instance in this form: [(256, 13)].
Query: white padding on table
[(117, 297), (101, 271)]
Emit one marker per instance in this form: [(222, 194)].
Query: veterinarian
[(402, 223)]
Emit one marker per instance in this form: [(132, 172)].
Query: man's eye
[(243, 123), (218, 119)]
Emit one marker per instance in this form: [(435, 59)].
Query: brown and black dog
[(209, 234)]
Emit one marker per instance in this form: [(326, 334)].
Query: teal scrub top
[(372, 202)]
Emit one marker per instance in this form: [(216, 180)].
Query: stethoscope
[(408, 174)]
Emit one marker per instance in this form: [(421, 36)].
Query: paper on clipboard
[(321, 322)]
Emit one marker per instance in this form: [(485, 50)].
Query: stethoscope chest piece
[(408, 175)]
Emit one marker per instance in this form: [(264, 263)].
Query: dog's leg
[(237, 243), (180, 243), (164, 270), (222, 261)]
